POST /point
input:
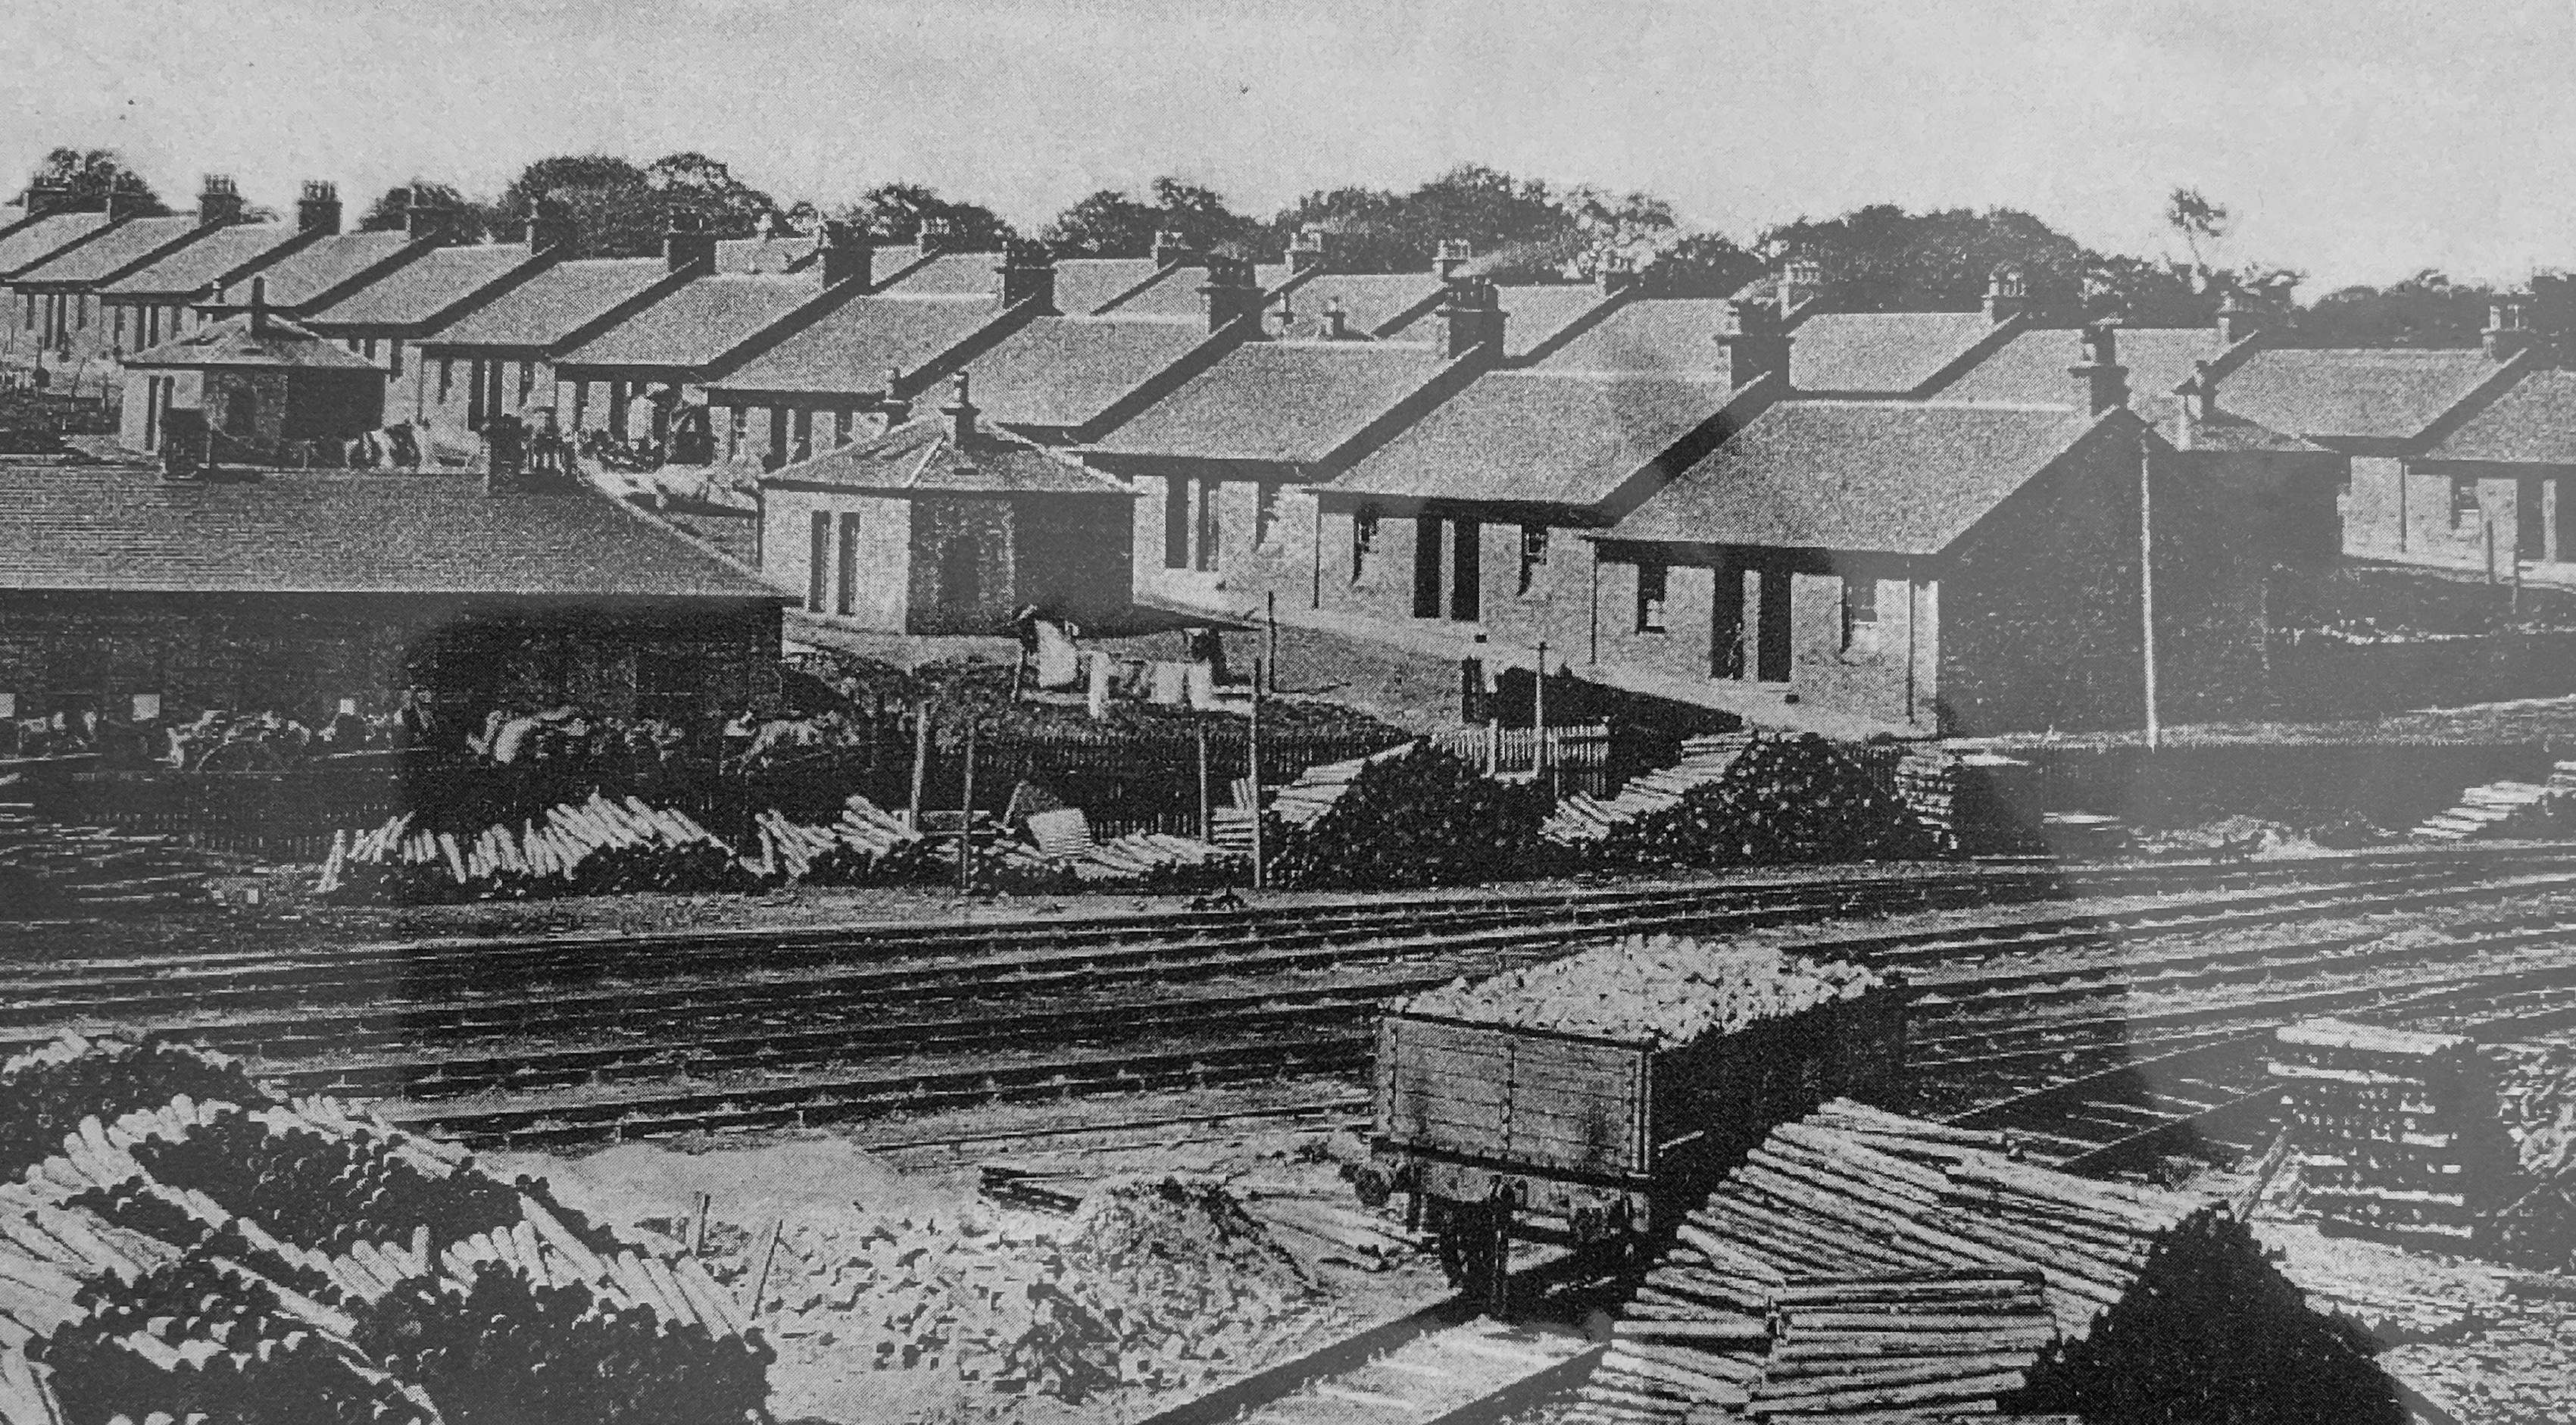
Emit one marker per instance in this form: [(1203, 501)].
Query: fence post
[(1207, 808), (1540, 761), (920, 761), (1252, 750), (966, 807)]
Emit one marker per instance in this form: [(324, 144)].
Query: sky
[(2356, 140)]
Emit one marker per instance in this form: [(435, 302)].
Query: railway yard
[(1114, 1165)]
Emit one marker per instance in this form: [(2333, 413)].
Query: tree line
[(1881, 257)]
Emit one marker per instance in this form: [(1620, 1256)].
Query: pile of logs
[(866, 846), (47, 868), (2392, 1131), (1303, 802), (1580, 820), (1455, 825), (1153, 861), (2004, 1275), (1781, 800), (2505, 809)]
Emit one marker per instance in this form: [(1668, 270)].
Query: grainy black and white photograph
[(1287, 712)]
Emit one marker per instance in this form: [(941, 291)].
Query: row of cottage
[(1916, 522)]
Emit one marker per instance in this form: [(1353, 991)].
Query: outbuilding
[(253, 389)]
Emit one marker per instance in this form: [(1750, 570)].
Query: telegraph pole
[(2147, 582)]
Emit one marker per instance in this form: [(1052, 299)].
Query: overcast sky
[(2356, 139)]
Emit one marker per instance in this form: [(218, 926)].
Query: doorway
[(1726, 624), (1467, 572), (961, 574), (1426, 566), (1771, 651)]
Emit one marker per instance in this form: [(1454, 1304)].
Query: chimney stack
[(2506, 336), (2104, 379), (1172, 250), (1474, 315), (894, 408), (259, 306), (936, 236), (423, 222), (122, 202), (687, 247), (45, 196), (1802, 281), (2236, 321), (219, 201), (2198, 399), (551, 230), (1337, 321), (961, 416), (1306, 249), (1618, 273), (1452, 258), (2007, 294), (1232, 293), (1028, 275), (848, 256), (318, 211), (1755, 342)]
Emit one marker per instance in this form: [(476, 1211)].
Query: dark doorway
[(1726, 623), (1426, 567), (1772, 651), (2530, 525), (961, 574), (1467, 572)]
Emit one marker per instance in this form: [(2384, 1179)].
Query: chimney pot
[(848, 256), (2236, 321), (1232, 294), (1755, 343), (318, 211), (1306, 249), (894, 408), (259, 306), (961, 415), (1337, 320), (45, 197), (1618, 273), (1474, 315), (2007, 294), (2105, 380), (219, 201), (2506, 336), (423, 222), (1802, 280), (687, 247), (935, 237), (1172, 250), (1452, 258), (1027, 271)]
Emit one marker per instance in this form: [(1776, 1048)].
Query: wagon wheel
[(1470, 1238)]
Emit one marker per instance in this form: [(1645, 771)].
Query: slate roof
[(1086, 284), (2534, 423), (1277, 401), (697, 323), (954, 274), (46, 236), (2227, 431), (850, 349), (336, 532), (307, 273), (1175, 294), (1538, 437), (206, 263), (922, 457), (788, 252), (2352, 394), (1378, 303), (2033, 367), (553, 304), (231, 343), (1067, 371), (421, 290), (1900, 477), (121, 246), (1659, 335), (1892, 352)]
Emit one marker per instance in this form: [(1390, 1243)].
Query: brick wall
[(301, 653)]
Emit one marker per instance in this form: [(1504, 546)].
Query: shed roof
[(923, 457), (2353, 394), (94, 528), (206, 263), (2533, 423), (954, 274), (1672, 334), (111, 252), (775, 253), (1539, 437), (1893, 352), (307, 274), (695, 324), (2035, 366), (426, 288), (1087, 284), (1533, 314), (1174, 293), (1378, 303), (850, 349), (553, 304), (1899, 477), (277, 345), (1277, 401), (44, 237), (1067, 371)]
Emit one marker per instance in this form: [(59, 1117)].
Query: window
[(1363, 541), (367, 348), (1176, 522), (120, 328), (1860, 609), (28, 320), (1265, 515), (848, 588), (1652, 584), (1210, 536), (446, 376), (80, 312), (818, 562), (1533, 554), (2464, 501), (527, 380), (393, 355)]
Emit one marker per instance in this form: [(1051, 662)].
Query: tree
[(468, 221), (894, 212), (1699, 265), (2201, 223), (93, 174), (613, 212), (1109, 223), (1885, 259), (2427, 309), (728, 206), (1518, 228)]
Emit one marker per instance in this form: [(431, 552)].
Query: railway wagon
[(1486, 1124)]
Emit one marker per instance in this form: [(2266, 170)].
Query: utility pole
[(966, 816), (1540, 763), (2147, 583), (1260, 872)]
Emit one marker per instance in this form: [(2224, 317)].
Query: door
[(1772, 650), (1467, 572), (2530, 525), (961, 574), (1726, 624), (1426, 566)]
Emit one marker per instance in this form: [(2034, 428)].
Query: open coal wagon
[(1609, 1090)]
